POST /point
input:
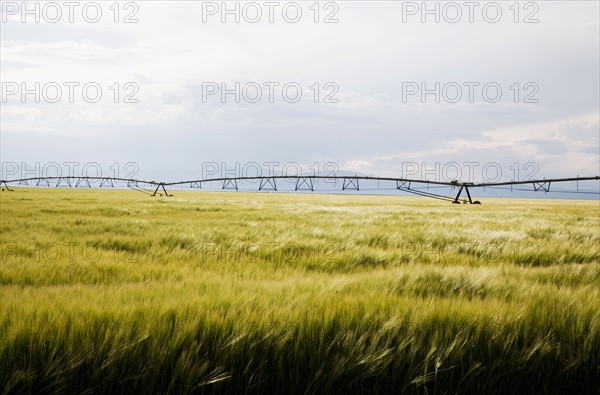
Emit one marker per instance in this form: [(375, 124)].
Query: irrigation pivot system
[(303, 183)]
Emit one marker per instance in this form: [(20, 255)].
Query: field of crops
[(112, 291)]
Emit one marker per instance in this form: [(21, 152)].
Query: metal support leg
[(300, 181), (6, 185), (544, 186), (83, 181), (458, 195), (230, 183), (350, 183), (107, 181), (267, 183), (402, 185), (162, 184), (469, 195), (67, 179), (466, 188)]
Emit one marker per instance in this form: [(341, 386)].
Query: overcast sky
[(370, 64)]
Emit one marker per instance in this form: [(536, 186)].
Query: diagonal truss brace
[(268, 184), (83, 181), (230, 183), (66, 179), (542, 186), (107, 181), (402, 184), (300, 181), (350, 183)]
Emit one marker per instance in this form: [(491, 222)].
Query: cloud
[(565, 147), (369, 54)]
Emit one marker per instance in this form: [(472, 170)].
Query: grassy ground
[(107, 291)]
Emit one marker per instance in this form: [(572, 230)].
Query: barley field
[(114, 291)]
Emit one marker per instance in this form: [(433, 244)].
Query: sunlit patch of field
[(110, 291)]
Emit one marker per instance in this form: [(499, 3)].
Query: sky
[(480, 91)]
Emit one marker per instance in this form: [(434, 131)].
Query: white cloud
[(369, 53)]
